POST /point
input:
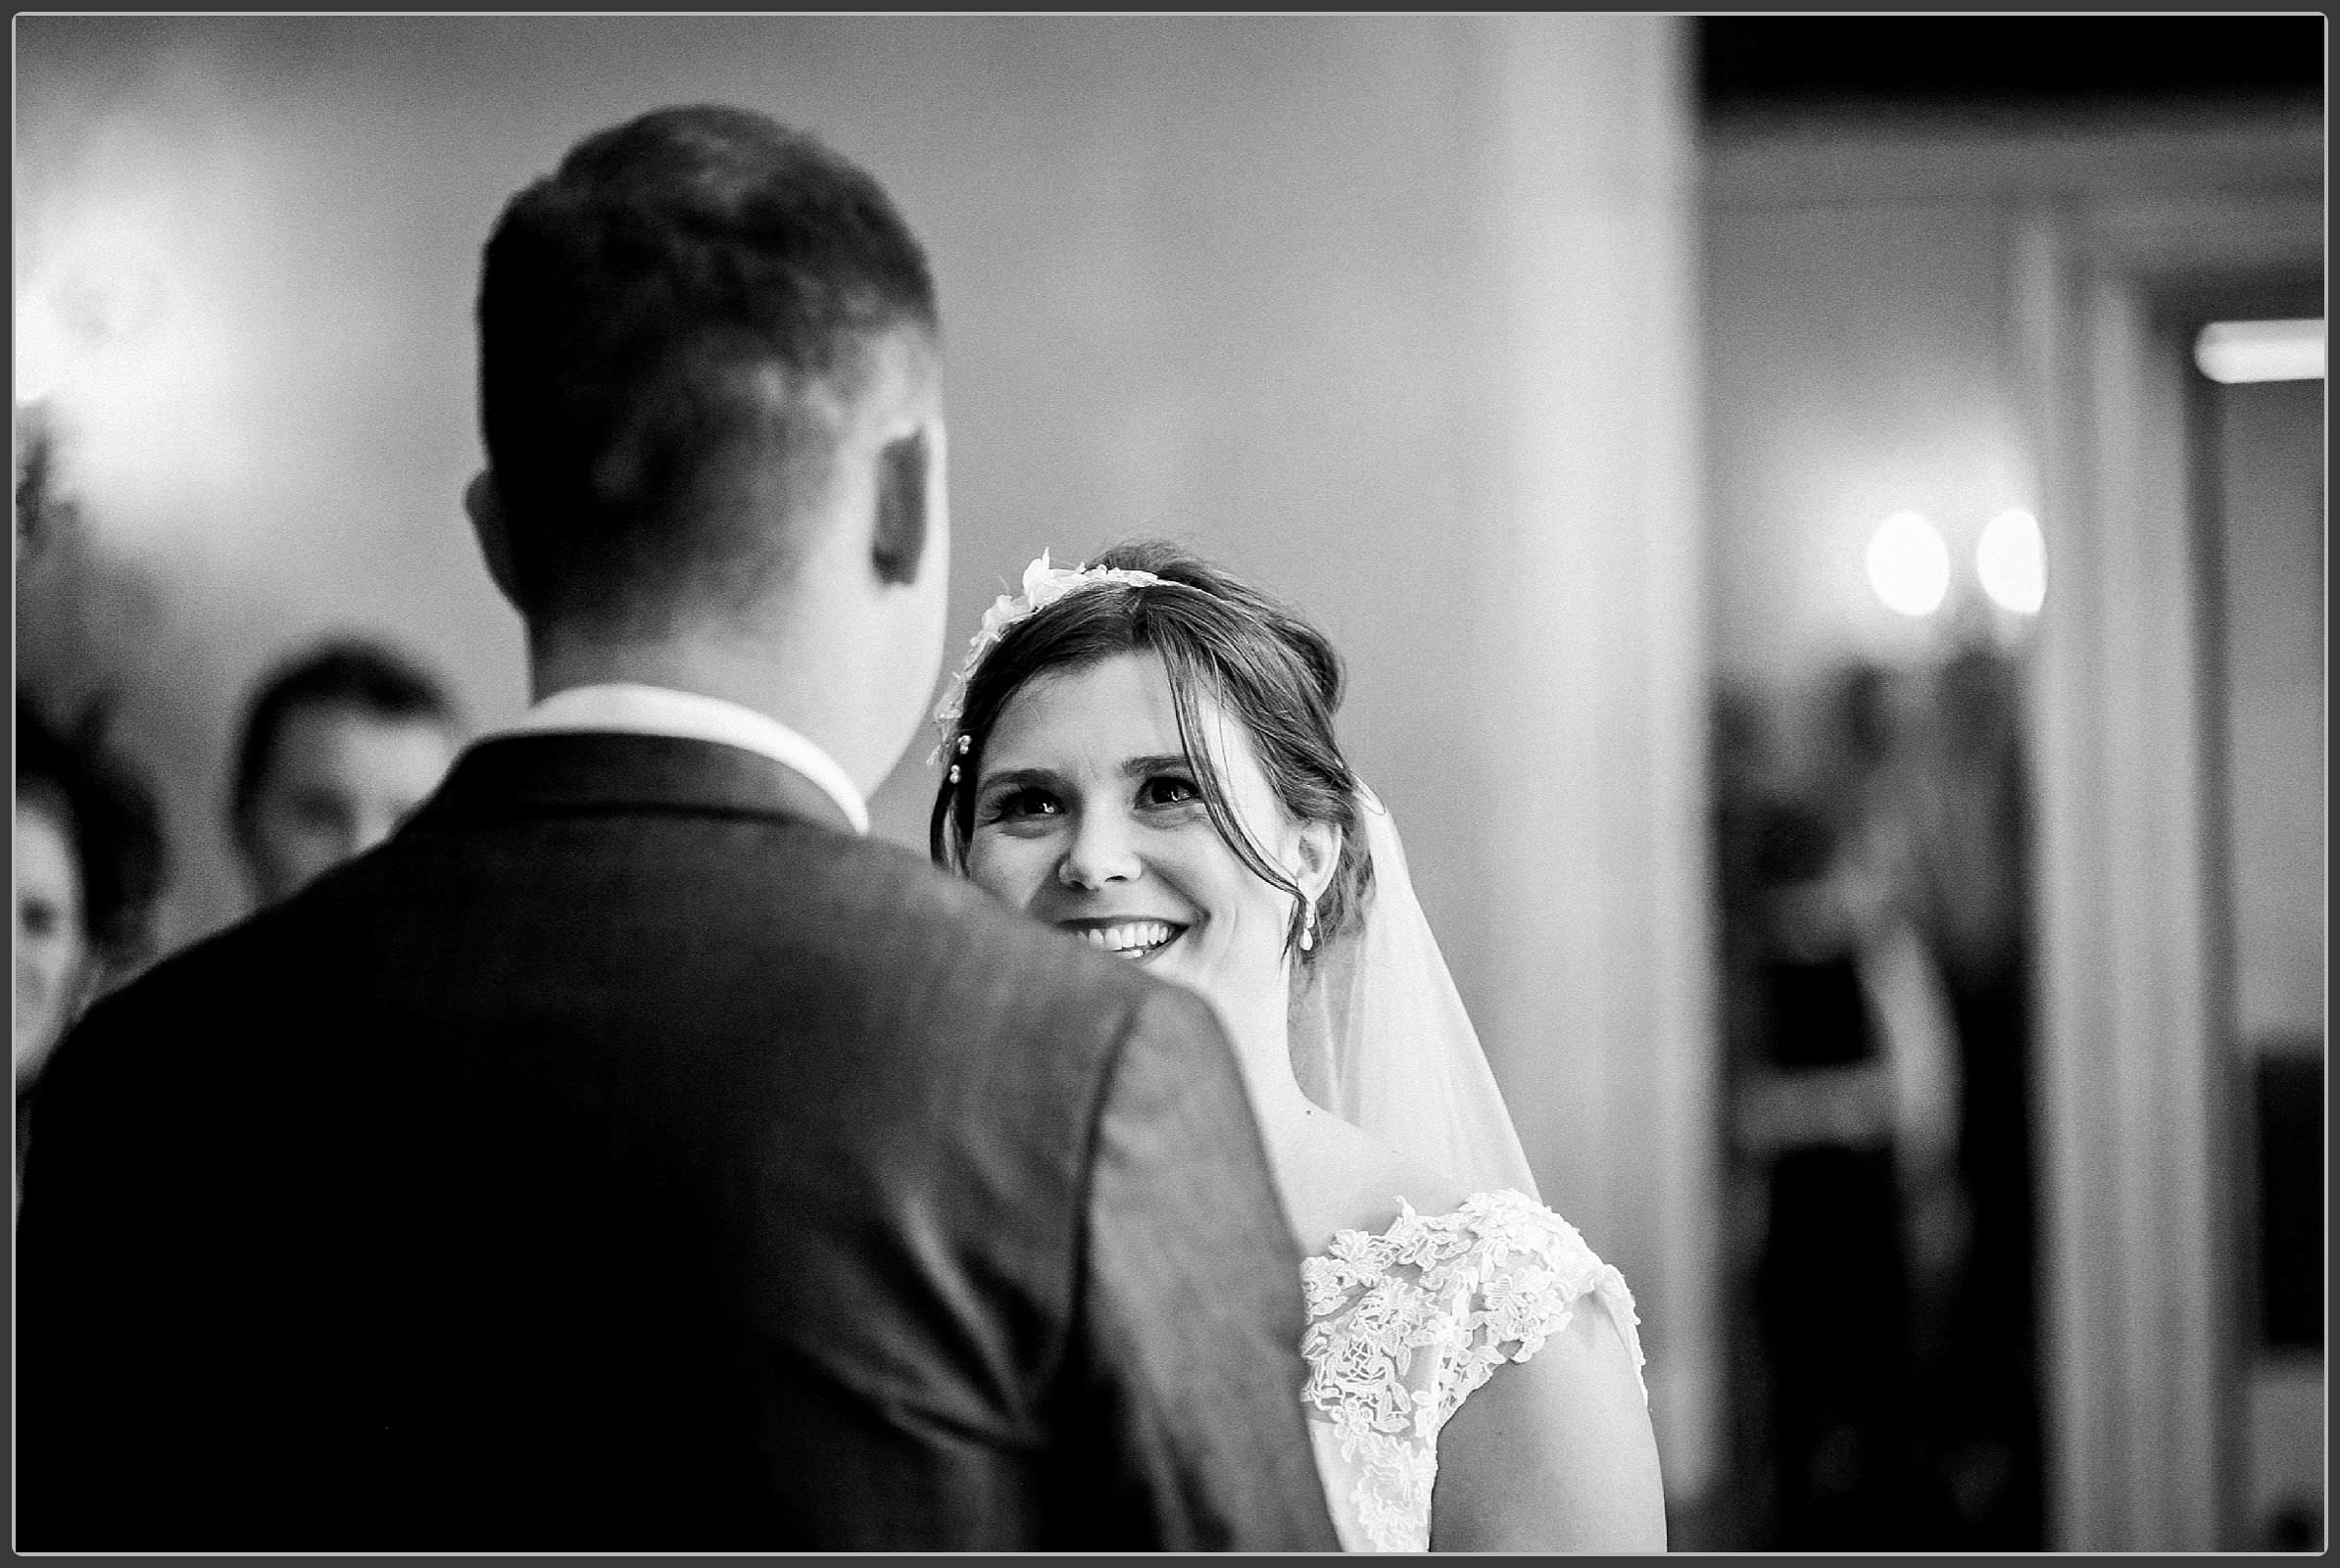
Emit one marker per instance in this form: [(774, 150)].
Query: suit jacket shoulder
[(618, 1158)]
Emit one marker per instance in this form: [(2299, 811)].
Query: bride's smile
[(1133, 938)]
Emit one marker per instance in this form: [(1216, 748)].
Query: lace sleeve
[(1529, 1271), (1404, 1325)]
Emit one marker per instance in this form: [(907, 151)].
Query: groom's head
[(710, 390)]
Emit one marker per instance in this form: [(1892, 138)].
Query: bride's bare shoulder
[(1351, 1181)]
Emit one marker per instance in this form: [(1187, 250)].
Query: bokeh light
[(1908, 565), (2010, 560)]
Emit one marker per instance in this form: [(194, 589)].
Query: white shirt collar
[(633, 708)]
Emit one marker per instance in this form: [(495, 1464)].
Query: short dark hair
[(653, 318), (1217, 636), (111, 818), (361, 673)]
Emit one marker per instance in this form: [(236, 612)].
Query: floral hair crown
[(1044, 586)]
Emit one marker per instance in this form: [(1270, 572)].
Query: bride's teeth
[(1135, 937)]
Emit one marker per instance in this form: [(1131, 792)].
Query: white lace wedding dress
[(1403, 1325)]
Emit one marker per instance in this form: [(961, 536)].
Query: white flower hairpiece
[(1044, 586)]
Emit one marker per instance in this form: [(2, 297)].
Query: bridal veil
[(1380, 1039)]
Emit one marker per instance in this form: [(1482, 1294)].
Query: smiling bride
[(1142, 752)]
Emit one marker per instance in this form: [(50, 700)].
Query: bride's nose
[(1102, 851)]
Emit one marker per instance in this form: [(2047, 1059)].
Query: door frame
[(2138, 1206)]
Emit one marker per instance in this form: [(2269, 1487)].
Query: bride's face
[(1088, 816)]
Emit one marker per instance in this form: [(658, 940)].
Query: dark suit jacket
[(626, 1156)]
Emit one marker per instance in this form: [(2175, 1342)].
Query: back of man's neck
[(756, 679)]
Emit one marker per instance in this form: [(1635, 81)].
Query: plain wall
[(2269, 529)]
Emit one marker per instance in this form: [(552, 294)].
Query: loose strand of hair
[(1184, 678)]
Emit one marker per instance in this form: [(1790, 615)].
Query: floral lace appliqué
[(1403, 1325)]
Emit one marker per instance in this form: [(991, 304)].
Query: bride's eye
[(1169, 789), (1020, 805)]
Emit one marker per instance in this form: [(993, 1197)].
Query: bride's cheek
[(982, 866), (1003, 865)]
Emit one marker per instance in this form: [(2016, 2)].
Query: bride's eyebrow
[(1020, 778), (1161, 762)]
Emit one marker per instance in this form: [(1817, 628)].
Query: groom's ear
[(483, 504), (898, 541)]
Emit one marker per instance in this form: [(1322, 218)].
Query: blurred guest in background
[(1969, 841), (1816, 1112), (1872, 900), (1870, 761), (89, 867), (39, 508), (338, 747)]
